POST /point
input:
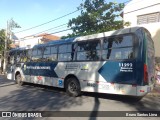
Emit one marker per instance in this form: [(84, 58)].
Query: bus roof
[(21, 48), (56, 42), (109, 33), (93, 36)]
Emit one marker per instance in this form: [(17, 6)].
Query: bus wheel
[(19, 80), (73, 87)]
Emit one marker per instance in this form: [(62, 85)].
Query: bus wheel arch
[(18, 78), (72, 85)]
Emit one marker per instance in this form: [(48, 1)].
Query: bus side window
[(53, 56), (119, 47), (47, 53), (89, 50), (36, 55), (24, 56), (12, 59), (66, 52), (18, 56), (29, 54)]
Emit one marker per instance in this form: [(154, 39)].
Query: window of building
[(148, 18)]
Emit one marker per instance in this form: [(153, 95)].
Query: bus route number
[(128, 65)]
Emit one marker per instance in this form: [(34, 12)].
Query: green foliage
[(96, 16), (2, 40), (13, 24)]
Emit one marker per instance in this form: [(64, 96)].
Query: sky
[(30, 13)]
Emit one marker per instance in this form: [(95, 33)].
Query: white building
[(145, 13), (29, 42)]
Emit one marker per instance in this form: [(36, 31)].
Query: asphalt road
[(42, 98)]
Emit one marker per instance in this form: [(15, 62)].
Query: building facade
[(145, 13), (30, 41)]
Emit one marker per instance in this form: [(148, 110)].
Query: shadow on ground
[(37, 99)]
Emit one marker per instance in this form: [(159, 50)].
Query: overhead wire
[(71, 28), (50, 29), (48, 21), (56, 26)]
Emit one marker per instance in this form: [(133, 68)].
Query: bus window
[(36, 54), (40, 51), (46, 54), (24, 56), (47, 50), (50, 53), (122, 41), (53, 56), (119, 47), (66, 52), (12, 57), (29, 55), (54, 49), (19, 54), (88, 50)]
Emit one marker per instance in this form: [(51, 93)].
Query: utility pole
[(5, 49), (8, 35)]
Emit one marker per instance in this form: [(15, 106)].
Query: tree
[(13, 24), (5, 40), (2, 40), (96, 16)]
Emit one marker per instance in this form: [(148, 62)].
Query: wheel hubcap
[(72, 87)]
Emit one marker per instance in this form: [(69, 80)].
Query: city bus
[(115, 62)]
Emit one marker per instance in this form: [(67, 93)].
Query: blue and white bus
[(115, 62)]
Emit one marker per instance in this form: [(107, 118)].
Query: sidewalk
[(5, 82), (155, 91)]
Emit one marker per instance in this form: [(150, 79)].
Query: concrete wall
[(141, 7)]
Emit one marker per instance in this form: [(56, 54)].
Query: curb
[(8, 84), (155, 92)]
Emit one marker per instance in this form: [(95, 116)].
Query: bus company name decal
[(39, 67)]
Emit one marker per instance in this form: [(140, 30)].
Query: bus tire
[(19, 80), (73, 87)]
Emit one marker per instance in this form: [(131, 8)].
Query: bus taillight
[(145, 74)]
